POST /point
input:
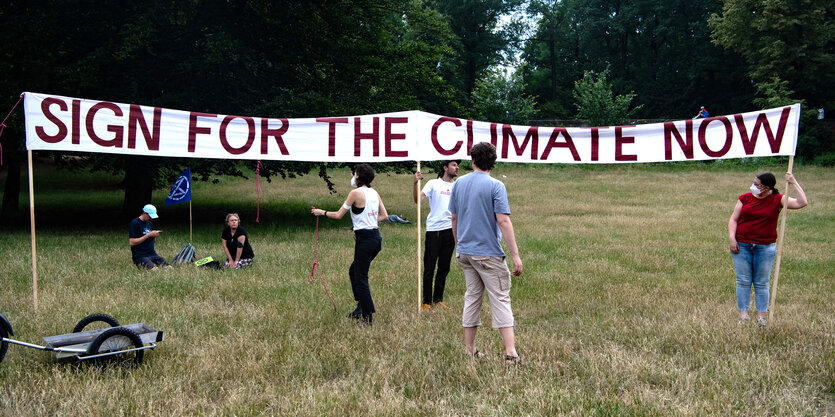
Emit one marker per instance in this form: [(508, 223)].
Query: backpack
[(186, 256)]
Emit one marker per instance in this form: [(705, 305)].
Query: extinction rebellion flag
[(181, 190)]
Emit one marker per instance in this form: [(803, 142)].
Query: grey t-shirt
[(475, 200)]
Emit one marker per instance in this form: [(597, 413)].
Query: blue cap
[(151, 210)]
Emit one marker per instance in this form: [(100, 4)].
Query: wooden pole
[(189, 221), (32, 227), (773, 302), (419, 281)]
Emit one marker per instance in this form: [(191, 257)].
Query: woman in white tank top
[(367, 209)]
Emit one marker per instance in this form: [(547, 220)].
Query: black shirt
[(232, 242)]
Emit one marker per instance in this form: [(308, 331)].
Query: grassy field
[(626, 306)]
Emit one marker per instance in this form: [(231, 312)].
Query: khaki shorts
[(486, 273)]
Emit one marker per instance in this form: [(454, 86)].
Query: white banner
[(70, 124)]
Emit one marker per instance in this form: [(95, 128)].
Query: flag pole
[(419, 286), (189, 222), (780, 247), (32, 227)]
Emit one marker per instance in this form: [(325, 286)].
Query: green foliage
[(501, 98), (597, 104)]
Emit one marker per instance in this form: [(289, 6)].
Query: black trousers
[(439, 247), (366, 247)]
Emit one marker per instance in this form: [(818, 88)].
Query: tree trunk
[(10, 213), (140, 172)]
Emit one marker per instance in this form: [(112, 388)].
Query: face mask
[(755, 190), (354, 182)]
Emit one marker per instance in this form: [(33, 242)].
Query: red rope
[(3, 126), (258, 191), (315, 267)]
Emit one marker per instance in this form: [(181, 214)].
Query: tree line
[(327, 57)]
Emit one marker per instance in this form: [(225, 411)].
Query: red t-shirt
[(758, 219)]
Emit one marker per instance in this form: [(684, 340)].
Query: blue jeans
[(753, 266)]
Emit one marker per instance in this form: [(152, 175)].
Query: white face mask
[(755, 190), (354, 182)]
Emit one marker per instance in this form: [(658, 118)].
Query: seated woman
[(236, 243)]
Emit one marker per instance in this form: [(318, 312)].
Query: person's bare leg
[(469, 340), (509, 341)]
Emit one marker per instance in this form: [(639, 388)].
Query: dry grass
[(626, 306)]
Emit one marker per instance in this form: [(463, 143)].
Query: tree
[(597, 104), (501, 98)]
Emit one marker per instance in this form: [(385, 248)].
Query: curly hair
[(484, 155)]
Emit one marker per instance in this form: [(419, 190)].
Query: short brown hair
[(484, 155)]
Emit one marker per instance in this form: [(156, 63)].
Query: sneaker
[(761, 321), (443, 306), (744, 320), (425, 307)]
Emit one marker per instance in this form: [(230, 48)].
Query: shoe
[(356, 314), (744, 320), (511, 360), (761, 321), (477, 354), (367, 320), (443, 306), (425, 307)]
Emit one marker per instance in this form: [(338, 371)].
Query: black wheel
[(4, 346), (114, 340), (92, 318)]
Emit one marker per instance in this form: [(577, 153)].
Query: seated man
[(141, 236)]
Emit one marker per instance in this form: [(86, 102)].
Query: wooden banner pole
[(32, 228), (773, 302), (190, 240), (419, 259)]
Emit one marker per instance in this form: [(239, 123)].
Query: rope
[(3, 126), (258, 191), (315, 267)]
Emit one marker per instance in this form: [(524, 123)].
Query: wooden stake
[(32, 227), (773, 302), (189, 221), (419, 281)]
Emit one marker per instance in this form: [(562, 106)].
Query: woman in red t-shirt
[(752, 230)]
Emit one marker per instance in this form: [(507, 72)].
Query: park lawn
[(626, 305)]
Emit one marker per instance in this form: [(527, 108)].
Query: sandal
[(477, 354), (511, 360)]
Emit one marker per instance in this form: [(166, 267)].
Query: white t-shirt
[(368, 218), (438, 192)]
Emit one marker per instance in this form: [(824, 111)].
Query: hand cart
[(126, 344)]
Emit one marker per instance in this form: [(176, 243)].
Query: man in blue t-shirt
[(141, 235), (480, 218)]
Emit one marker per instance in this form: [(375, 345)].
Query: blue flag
[(181, 190)]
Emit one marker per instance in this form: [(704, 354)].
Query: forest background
[(604, 62)]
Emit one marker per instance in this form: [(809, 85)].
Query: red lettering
[(332, 121), (137, 118), (374, 136), (494, 135), (456, 122), (76, 122), (595, 141), (250, 137), (118, 131), (469, 136), (621, 140), (762, 120), (267, 132), (194, 130), (686, 145), (729, 135), (62, 128), (390, 136), (532, 137), (552, 143)]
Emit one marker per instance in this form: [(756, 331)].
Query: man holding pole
[(439, 240), (480, 218), (141, 236)]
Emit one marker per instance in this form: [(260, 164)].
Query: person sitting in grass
[(367, 210), (235, 243), (141, 235)]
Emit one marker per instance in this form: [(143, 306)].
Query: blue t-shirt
[(138, 228), (475, 200)]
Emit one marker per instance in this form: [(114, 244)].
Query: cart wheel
[(114, 340), (92, 318), (4, 346)]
